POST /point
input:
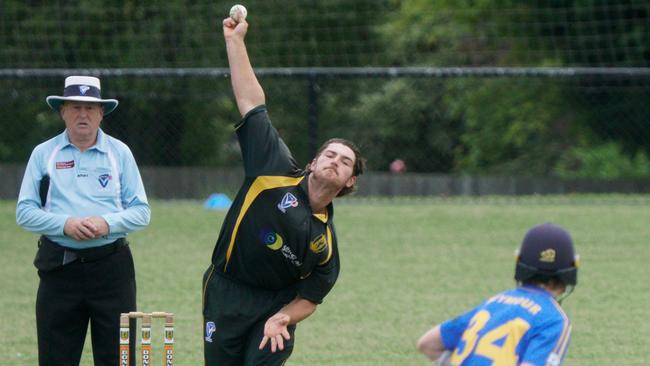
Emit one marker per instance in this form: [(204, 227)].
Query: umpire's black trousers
[(70, 296)]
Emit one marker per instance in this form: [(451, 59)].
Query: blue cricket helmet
[(547, 252)]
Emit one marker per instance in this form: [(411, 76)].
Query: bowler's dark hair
[(359, 162)]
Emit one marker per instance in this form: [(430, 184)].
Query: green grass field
[(406, 264)]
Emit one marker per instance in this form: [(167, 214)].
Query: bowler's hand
[(76, 229), (232, 29), (97, 224), (276, 330)]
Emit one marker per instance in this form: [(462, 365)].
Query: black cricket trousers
[(79, 293)]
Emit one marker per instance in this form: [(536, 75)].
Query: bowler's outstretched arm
[(248, 91)]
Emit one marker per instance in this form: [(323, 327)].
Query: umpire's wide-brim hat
[(82, 89)]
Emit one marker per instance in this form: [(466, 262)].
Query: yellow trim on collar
[(322, 217)]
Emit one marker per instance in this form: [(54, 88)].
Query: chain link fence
[(425, 131), (443, 98)]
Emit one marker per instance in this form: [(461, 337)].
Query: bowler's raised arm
[(248, 91)]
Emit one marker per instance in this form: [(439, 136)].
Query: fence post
[(312, 119)]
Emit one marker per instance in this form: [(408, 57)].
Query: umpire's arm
[(248, 91)]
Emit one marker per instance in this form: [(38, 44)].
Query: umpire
[(276, 257), (83, 193)]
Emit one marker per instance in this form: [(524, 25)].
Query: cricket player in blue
[(83, 193), (524, 326)]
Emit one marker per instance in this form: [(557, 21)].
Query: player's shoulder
[(258, 112), (557, 315), (550, 310)]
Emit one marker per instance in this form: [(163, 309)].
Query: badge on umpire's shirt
[(65, 164), (104, 179)]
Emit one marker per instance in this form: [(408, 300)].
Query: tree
[(524, 126)]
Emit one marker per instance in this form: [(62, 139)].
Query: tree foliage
[(529, 125)]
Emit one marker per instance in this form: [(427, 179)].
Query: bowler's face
[(336, 165), (82, 119)]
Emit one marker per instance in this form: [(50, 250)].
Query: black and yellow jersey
[(270, 238)]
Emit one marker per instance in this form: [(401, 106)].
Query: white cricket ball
[(238, 12)]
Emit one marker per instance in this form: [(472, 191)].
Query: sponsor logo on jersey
[(319, 244), (286, 251), (272, 240), (210, 328), (65, 164), (547, 256), (288, 201), (104, 179)]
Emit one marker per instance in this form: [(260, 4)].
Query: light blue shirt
[(102, 181)]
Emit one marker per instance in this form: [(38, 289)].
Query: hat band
[(81, 91)]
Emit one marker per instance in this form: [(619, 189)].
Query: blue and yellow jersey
[(525, 324), (270, 239)]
